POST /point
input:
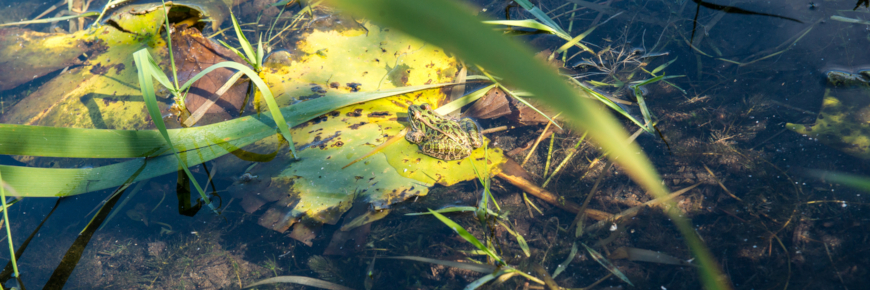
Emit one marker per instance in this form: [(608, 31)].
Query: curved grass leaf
[(464, 35), (567, 261), (300, 280), (264, 89), (468, 236), (142, 59)]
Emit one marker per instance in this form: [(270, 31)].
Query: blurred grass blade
[(452, 209), (850, 180), (567, 261), (260, 54), (480, 268), (467, 236), (465, 100), (146, 86), (483, 280), (464, 35), (49, 20), (300, 280), (662, 67), (520, 240), (606, 264)]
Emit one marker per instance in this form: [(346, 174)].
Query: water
[(767, 222)]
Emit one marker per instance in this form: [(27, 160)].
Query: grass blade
[(146, 86), (464, 35), (246, 45), (468, 236), (264, 90), (542, 16), (480, 268), (6, 224), (567, 261), (483, 280), (606, 264), (300, 280), (31, 181)]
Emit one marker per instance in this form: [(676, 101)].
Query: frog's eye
[(425, 107)]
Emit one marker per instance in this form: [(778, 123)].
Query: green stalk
[(146, 86), (8, 231), (171, 56)]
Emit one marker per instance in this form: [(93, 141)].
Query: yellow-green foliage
[(843, 121), (317, 186)]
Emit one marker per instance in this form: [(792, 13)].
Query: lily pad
[(318, 188), (26, 55), (844, 121)]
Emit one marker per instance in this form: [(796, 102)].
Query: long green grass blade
[(6, 222), (142, 58), (49, 20), (464, 35), (102, 143), (467, 236), (31, 181), (246, 45)]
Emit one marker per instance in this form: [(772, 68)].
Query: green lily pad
[(844, 121), (318, 188)]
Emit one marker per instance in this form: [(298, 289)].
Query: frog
[(441, 137)]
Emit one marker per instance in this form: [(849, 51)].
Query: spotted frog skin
[(441, 137)]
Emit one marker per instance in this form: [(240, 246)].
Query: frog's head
[(421, 115)]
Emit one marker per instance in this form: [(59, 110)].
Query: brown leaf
[(194, 53)]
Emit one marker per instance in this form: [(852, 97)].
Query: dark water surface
[(767, 223)]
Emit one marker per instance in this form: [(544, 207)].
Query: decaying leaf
[(844, 120), (26, 55), (316, 188), (193, 54)]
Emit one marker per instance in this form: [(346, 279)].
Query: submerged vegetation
[(387, 120)]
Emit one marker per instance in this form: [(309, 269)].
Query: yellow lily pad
[(318, 188), (844, 121)]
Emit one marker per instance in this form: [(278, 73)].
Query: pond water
[(764, 100)]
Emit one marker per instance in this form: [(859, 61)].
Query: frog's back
[(445, 148)]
